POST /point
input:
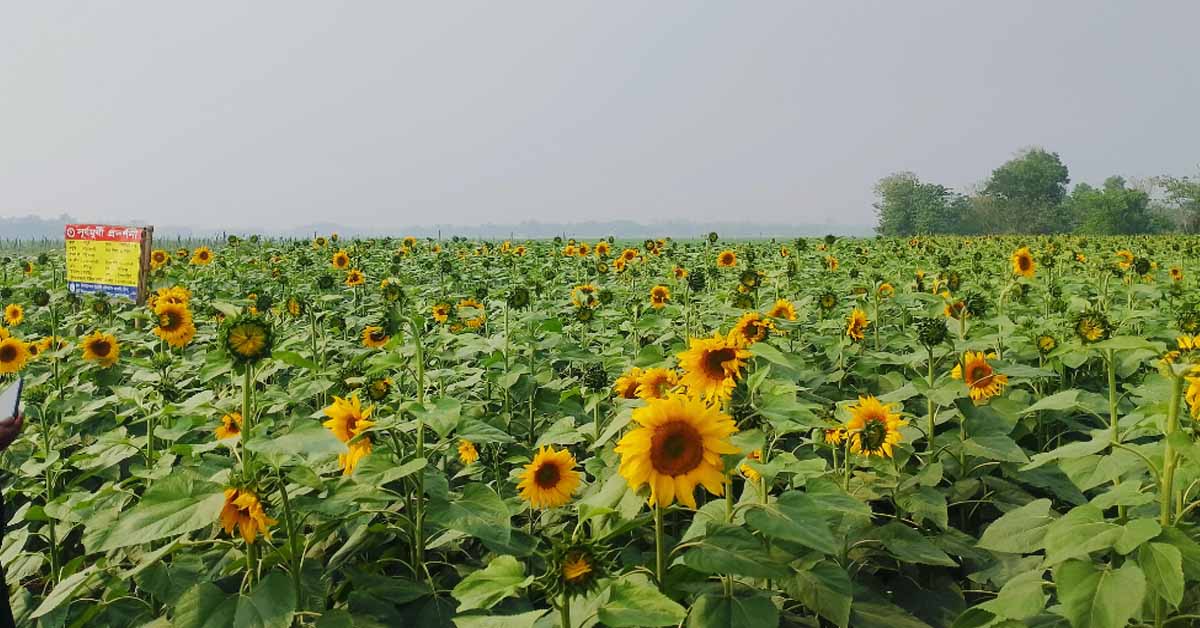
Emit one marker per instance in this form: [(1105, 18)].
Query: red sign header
[(103, 233)]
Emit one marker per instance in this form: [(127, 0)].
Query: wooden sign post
[(109, 259)]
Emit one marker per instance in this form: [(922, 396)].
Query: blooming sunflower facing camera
[(13, 314), (202, 256), (751, 328), (244, 511), (783, 309), (14, 354), (626, 386), (727, 259), (550, 479), (712, 366), (340, 260), (355, 278), (174, 324), (981, 379), (101, 348), (1022, 262), (659, 296), (873, 428), (677, 445), (348, 420), (374, 337), (656, 383)]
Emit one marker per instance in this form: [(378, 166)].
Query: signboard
[(108, 259)]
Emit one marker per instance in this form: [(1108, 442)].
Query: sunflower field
[(946, 432)]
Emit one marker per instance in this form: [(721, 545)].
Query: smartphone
[(10, 401)]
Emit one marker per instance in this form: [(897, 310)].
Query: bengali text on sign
[(104, 258)]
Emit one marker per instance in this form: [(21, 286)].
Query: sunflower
[(712, 366), (13, 355), (828, 300), (175, 324), (467, 454), (13, 314), (727, 259), (835, 436), (374, 337), (4, 333), (244, 511), (410, 241), (619, 264), (783, 309), (441, 312), (159, 258), (585, 295), (678, 444), (783, 251), (202, 256), (747, 471), (656, 383), (885, 290), (1045, 343), (602, 248), (174, 294), (856, 325), (569, 250), (355, 278), (295, 307), (348, 420), (831, 263), (379, 388), (627, 384), (873, 428), (751, 328), (982, 381), (230, 427), (27, 267), (101, 348), (680, 272), (550, 479), (659, 296), (629, 254), (1022, 262), (1124, 259), (1092, 326), (1176, 273), (471, 312), (340, 260), (519, 251), (248, 338)]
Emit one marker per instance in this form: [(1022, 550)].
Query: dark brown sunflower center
[(8, 353), (714, 362), (676, 448), (170, 321), (547, 476), (378, 336), (979, 375), (101, 348)]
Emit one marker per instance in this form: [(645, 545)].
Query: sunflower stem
[(293, 540), (660, 550), (419, 518), (932, 407), (564, 611), (1166, 495)]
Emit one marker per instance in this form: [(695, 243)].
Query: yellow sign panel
[(104, 258)]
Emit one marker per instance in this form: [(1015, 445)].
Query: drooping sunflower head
[(678, 444), (873, 428), (712, 366), (244, 511), (856, 325), (656, 383), (101, 348), (467, 454), (1092, 326), (1022, 262), (14, 354), (627, 384), (247, 338), (751, 328), (340, 260), (727, 259), (659, 296), (783, 309), (550, 479), (982, 381), (931, 331), (230, 427), (13, 314), (202, 256), (828, 300), (374, 336), (174, 323)]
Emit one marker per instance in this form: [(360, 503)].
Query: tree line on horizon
[(1030, 194)]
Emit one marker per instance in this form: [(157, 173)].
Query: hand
[(9, 431)]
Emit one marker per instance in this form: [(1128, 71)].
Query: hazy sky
[(238, 114)]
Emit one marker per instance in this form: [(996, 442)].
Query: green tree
[(1028, 192), (1114, 209), (1183, 199), (906, 206)]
